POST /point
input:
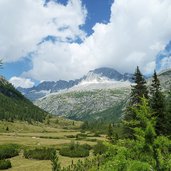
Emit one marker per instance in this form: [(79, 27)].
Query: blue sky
[(64, 39)]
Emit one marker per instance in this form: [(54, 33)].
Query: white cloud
[(21, 82), (24, 23), (136, 32)]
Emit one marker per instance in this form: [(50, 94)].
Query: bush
[(99, 148), (8, 151), (39, 153), (70, 136), (5, 164), (86, 146), (75, 150)]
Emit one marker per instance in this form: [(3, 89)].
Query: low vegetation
[(99, 148), (75, 150), (5, 164), (8, 151), (39, 153)]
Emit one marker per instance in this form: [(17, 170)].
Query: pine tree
[(138, 91), (168, 113), (157, 104), (147, 132)]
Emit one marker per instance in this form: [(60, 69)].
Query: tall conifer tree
[(168, 113), (157, 104), (138, 91)]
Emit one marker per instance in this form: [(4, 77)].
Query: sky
[(64, 39)]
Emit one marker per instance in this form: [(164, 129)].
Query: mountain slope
[(13, 105), (93, 98), (83, 104), (165, 79)]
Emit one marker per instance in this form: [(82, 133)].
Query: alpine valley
[(100, 95)]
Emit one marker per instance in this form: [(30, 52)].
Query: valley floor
[(41, 135)]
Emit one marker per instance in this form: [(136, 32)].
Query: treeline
[(146, 143), (159, 103), (14, 106)]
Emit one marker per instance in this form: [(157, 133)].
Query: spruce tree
[(168, 113), (157, 104), (138, 91)]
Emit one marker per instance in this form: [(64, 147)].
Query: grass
[(57, 134), (19, 163)]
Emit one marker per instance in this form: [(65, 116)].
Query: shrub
[(99, 148), (75, 150), (86, 146), (8, 151), (70, 136), (5, 164), (39, 153)]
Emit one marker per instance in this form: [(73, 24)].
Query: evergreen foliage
[(14, 106), (55, 162), (147, 152), (168, 113), (138, 91), (157, 105)]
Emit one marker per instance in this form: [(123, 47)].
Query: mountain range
[(99, 75)]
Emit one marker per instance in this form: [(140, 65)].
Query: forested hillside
[(14, 106)]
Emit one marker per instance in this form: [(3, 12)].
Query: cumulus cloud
[(24, 23), (21, 82), (137, 30)]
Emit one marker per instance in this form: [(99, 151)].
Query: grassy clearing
[(19, 163), (43, 135)]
